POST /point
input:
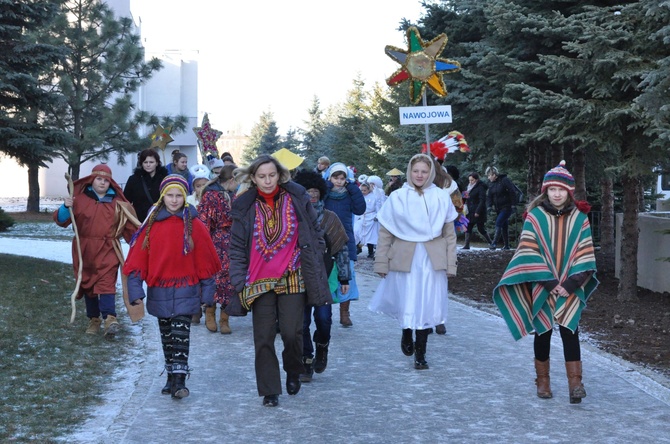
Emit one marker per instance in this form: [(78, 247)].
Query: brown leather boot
[(345, 320), (224, 326), (577, 391), (542, 380), (93, 326), (112, 326), (210, 318)]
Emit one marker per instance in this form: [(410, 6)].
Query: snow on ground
[(18, 204)]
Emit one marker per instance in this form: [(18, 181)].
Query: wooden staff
[(73, 298)]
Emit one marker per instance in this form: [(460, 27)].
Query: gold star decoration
[(161, 137), (421, 65)]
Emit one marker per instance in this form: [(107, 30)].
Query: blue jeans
[(103, 303), (503, 217), (323, 319)]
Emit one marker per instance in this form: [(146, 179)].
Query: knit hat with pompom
[(559, 177)]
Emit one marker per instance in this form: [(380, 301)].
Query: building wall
[(652, 273)]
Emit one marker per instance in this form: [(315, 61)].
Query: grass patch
[(51, 373)]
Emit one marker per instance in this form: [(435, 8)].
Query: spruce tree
[(264, 138), (312, 134), (104, 67), (23, 62), (352, 139)]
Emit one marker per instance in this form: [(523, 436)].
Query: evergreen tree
[(104, 67), (312, 134), (291, 141), (23, 61), (264, 138), (352, 138)]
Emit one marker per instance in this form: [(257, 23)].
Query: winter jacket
[(346, 206), (136, 194), (310, 241), (97, 221), (477, 201), (395, 254), (188, 177), (501, 194), (174, 300)]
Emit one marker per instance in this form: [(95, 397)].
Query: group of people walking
[(282, 245)]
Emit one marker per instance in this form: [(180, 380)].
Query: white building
[(171, 91)]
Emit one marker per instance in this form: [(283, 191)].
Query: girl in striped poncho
[(550, 278)]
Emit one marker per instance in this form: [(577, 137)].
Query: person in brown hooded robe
[(102, 215)]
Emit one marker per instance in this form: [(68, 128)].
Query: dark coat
[(501, 193), (135, 193), (310, 241), (477, 201), (346, 206)]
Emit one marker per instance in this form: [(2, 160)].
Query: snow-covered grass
[(52, 375)]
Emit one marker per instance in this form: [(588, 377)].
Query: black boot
[(420, 350), (307, 374), (496, 238), (321, 358), (466, 246), (371, 251), (167, 388), (505, 236), (292, 384), (487, 238), (179, 389), (407, 342)]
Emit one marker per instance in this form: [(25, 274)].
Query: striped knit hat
[(174, 181), (559, 177)]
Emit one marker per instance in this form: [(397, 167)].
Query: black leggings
[(176, 339), (571, 348), (478, 222)]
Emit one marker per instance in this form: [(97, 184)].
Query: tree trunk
[(538, 166), (629, 240), (74, 171), (607, 244), (579, 173), (33, 188), (556, 155), (531, 187)]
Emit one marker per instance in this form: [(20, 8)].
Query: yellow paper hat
[(290, 160), (395, 172)]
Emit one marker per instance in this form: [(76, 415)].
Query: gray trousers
[(266, 310)]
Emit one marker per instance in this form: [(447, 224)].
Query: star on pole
[(421, 65), (207, 137), (161, 137)]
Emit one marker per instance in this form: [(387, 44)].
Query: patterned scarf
[(551, 247), (274, 252)]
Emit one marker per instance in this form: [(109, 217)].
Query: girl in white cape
[(416, 252)]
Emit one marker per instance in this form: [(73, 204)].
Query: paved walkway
[(479, 389)]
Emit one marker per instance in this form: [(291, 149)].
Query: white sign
[(412, 115)]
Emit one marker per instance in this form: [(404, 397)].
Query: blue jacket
[(346, 206)]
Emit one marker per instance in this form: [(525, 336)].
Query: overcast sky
[(275, 55)]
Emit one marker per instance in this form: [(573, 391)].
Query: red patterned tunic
[(214, 211)]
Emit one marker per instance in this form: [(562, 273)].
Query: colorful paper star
[(420, 65), (207, 137), (161, 137)]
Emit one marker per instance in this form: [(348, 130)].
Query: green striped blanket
[(551, 247)]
